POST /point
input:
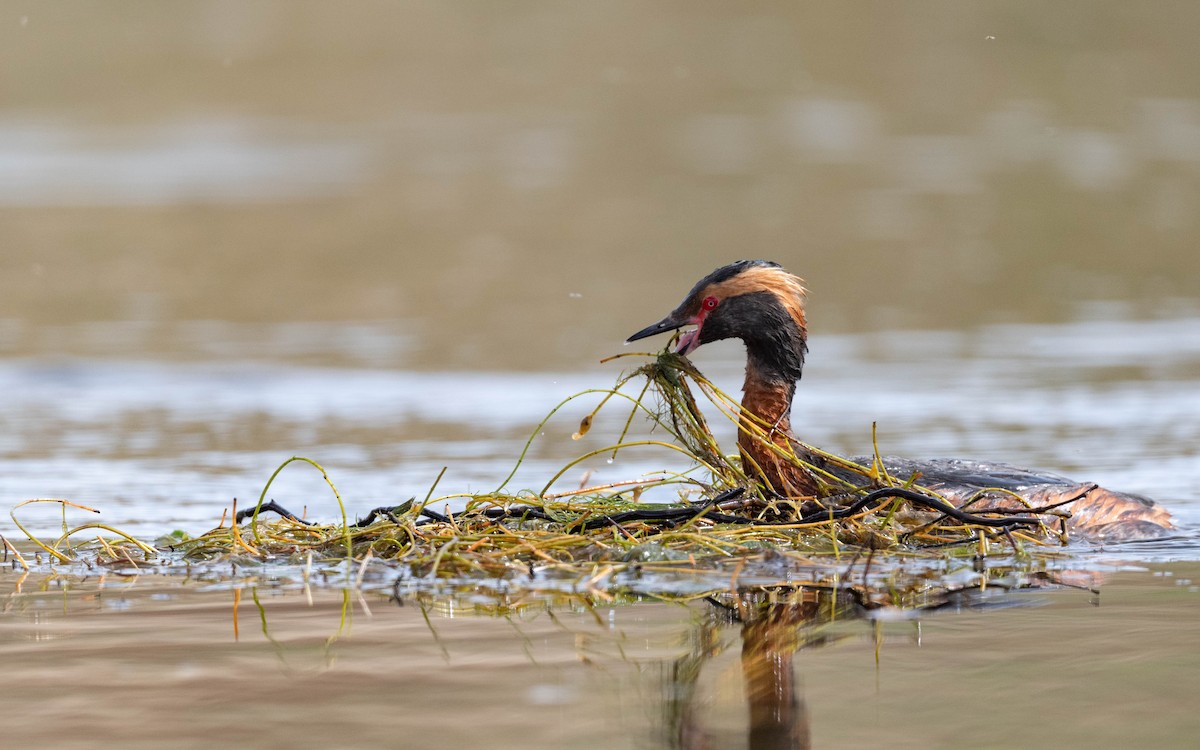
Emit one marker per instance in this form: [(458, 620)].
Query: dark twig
[(872, 500), (673, 515), (434, 515), (383, 511), (722, 497), (271, 505), (1039, 510)]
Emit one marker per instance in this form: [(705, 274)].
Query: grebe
[(760, 303)]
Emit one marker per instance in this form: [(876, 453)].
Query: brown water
[(392, 236), (144, 662), (460, 176)]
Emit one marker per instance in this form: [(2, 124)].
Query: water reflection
[(773, 626), (526, 667), (765, 625)]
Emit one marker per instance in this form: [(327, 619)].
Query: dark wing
[(966, 473), (1097, 513)]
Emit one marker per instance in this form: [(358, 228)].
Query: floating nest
[(723, 515)]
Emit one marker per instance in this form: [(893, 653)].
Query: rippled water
[(272, 664)]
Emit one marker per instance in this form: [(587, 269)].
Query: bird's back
[(1097, 513)]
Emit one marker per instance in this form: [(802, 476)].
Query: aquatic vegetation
[(603, 538)]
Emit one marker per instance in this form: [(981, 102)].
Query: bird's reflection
[(770, 623), (773, 625)]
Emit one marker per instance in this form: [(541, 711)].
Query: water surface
[(391, 238), (268, 666)]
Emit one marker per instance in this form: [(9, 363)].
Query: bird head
[(756, 301)]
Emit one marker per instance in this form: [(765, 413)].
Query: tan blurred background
[(523, 184)]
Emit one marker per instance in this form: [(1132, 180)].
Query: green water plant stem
[(52, 552), (325, 475)]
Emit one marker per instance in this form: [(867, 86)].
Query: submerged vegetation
[(604, 538)]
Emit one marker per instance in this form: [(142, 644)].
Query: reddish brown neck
[(769, 403)]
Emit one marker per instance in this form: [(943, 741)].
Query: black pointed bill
[(687, 343), (669, 323)]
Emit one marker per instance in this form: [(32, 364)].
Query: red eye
[(709, 303)]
